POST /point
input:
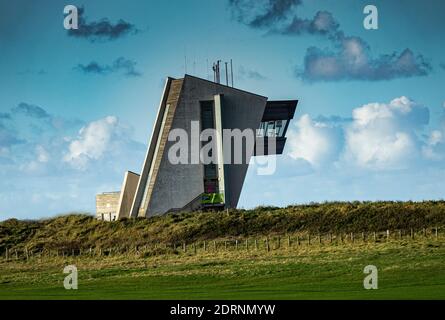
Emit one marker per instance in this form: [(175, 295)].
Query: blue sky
[(76, 111)]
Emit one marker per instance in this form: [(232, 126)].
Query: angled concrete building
[(191, 108)]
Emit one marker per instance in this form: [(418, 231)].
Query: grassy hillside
[(84, 231), (409, 267)]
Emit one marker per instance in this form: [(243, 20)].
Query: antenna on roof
[(216, 72), (194, 63), (207, 69), (185, 60), (227, 75), (231, 71)]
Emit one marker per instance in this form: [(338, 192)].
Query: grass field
[(408, 269), (144, 258)]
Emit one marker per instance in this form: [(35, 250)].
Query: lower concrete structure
[(106, 205)]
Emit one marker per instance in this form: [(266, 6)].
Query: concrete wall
[(161, 150), (146, 166), (239, 111), (177, 185), (127, 194), (106, 206)]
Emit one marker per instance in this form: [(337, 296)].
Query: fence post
[(26, 253), (374, 236), (236, 244), (205, 247), (225, 244), (424, 232), (341, 237), (16, 255), (309, 238), (387, 234), (184, 247), (436, 232), (288, 241), (298, 240), (214, 245), (267, 245), (278, 242), (256, 244), (7, 254), (319, 238), (247, 244), (400, 234), (352, 237), (194, 248)]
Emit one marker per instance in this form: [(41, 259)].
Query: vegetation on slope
[(83, 231)]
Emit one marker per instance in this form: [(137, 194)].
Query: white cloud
[(380, 136), (42, 154), (384, 136), (92, 142), (315, 142), (435, 138), (41, 158), (434, 149), (377, 150)]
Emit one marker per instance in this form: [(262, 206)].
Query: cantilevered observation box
[(276, 118)]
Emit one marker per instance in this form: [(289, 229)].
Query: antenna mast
[(227, 75), (207, 69), (231, 71), (217, 72)]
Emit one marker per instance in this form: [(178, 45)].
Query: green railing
[(212, 198)]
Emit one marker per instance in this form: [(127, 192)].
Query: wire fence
[(265, 243)]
